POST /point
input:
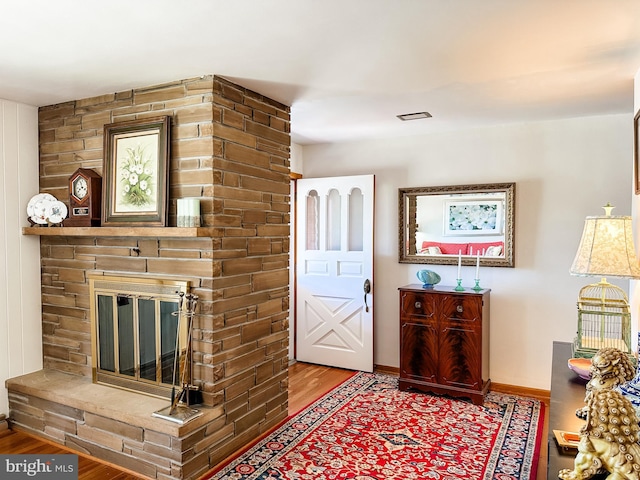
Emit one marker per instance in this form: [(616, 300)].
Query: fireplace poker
[(175, 353), (192, 302), (180, 301)]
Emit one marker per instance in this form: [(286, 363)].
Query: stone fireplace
[(230, 149)]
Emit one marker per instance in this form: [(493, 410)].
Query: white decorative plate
[(56, 212), (39, 211), (35, 200)]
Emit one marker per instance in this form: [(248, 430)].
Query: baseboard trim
[(538, 394), (542, 395), (388, 370)]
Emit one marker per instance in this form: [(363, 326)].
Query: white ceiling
[(346, 67)]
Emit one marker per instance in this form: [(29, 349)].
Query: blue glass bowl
[(428, 278)]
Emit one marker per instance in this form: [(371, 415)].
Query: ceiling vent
[(414, 116)]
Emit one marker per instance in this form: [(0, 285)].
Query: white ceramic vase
[(631, 389)]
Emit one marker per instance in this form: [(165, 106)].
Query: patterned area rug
[(367, 429)]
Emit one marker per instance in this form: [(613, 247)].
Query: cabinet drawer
[(416, 304), (463, 308)]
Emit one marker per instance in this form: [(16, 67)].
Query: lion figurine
[(609, 438), (610, 367)]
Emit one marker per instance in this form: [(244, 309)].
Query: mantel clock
[(85, 196)]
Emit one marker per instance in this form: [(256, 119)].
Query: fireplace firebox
[(138, 340)]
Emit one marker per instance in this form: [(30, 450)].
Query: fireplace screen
[(136, 330)]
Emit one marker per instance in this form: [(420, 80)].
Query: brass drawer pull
[(418, 304), (459, 308)]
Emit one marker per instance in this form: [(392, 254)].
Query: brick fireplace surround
[(230, 148)]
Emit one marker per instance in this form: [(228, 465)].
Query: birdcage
[(604, 320)]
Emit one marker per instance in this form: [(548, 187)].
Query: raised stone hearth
[(113, 424), (230, 149)]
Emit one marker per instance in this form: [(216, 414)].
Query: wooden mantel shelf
[(120, 231)]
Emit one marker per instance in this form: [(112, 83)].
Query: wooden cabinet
[(444, 341)]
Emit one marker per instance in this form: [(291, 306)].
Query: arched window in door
[(356, 226), (334, 220), (313, 221)]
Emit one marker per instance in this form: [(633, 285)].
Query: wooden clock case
[(85, 211)]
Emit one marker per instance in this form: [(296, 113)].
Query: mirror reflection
[(438, 225)]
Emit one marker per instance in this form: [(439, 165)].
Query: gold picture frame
[(135, 172)]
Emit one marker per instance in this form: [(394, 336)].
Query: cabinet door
[(418, 338), (460, 341)]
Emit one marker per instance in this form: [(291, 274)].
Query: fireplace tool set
[(180, 410)]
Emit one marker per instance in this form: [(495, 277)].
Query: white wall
[(564, 171), (20, 303)]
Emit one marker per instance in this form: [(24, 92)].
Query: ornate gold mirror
[(437, 225)]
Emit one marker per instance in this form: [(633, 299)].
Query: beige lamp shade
[(606, 248)]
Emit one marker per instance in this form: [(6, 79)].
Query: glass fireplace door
[(136, 336)]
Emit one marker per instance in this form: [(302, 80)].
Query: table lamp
[(606, 250)]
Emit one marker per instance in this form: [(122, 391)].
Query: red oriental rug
[(367, 429)]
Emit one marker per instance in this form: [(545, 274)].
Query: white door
[(334, 262)]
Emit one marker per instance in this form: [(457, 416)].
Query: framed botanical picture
[(135, 173), (636, 151), (473, 217)]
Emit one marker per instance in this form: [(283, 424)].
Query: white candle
[(194, 212), (195, 207), (181, 213), (478, 265), (459, 262)]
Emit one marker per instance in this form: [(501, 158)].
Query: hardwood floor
[(88, 467), (306, 383)]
